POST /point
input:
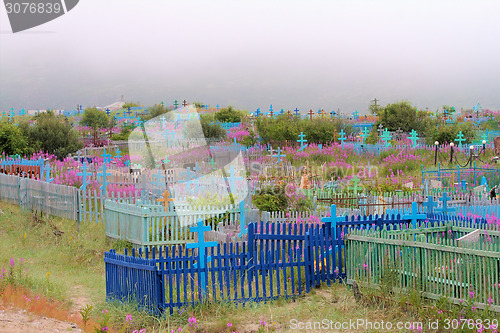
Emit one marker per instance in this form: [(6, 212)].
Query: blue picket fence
[(278, 260)]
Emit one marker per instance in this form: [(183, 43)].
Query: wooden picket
[(52, 199), (148, 224), (430, 261)]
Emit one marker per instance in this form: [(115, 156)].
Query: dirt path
[(20, 321)]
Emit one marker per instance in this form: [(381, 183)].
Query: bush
[(53, 135), (448, 132), (122, 136), (228, 115), (270, 199), (13, 141), (285, 128)]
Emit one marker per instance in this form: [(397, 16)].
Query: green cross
[(364, 134), (413, 137), (355, 181), (460, 138), (176, 104), (386, 137)]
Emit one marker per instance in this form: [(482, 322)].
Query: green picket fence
[(449, 260), (151, 225)]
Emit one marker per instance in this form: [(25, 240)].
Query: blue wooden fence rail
[(279, 260)]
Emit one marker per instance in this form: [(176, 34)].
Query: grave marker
[(201, 246), (302, 141)]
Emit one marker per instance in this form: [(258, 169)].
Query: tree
[(155, 111), (53, 135), (398, 115), (210, 129), (130, 105), (95, 119), (447, 133), (228, 115), (199, 105), (375, 109), (13, 141), (448, 111)]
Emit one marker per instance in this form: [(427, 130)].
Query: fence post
[(78, 208), (307, 262), (251, 249)]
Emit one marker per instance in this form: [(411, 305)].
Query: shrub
[(270, 199)]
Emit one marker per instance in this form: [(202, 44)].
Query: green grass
[(73, 259)]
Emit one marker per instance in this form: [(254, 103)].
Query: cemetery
[(266, 208)]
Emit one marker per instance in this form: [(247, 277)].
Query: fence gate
[(323, 256)]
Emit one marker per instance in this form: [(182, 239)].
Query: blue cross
[(108, 111), (206, 106), (84, 175), (22, 112), (414, 216), (444, 208), (355, 115), (104, 176), (189, 178), (279, 155), (257, 113), (281, 111), (342, 137), (201, 246), (47, 174), (127, 162), (159, 180), (331, 222), (168, 134), (302, 141), (163, 122), (232, 178), (118, 153), (430, 204), (217, 106), (106, 156), (271, 108), (197, 169), (128, 111), (296, 112), (320, 146), (243, 227)]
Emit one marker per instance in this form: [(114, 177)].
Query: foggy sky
[(250, 54)]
